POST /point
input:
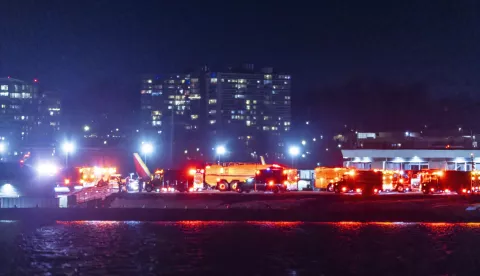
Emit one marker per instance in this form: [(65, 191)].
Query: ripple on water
[(280, 248)]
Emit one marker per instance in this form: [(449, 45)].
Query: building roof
[(410, 153), (12, 80)]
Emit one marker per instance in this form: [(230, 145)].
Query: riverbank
[(262, 208)]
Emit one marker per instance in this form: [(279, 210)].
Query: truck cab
[(274, 179)]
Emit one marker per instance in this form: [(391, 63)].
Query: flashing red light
[(21, 161), (35, 80), (8, 76), (276, 166), (202, 171), (192, 171), (344, 189), (464, 190), (359, 190), (432, 189), (447, 191), (375, 190), (270, 183), (66, 181)]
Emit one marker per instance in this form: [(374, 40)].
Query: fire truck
[(274, 179), (326, 177), (84, 177), (358, 181), (226, 176), (475, 176), (447, 182)]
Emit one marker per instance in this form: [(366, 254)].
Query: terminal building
[(411, 151)]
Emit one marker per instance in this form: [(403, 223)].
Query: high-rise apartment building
[(248, 112), (18, 109), (251, 111), (48, 119), (172, 110)]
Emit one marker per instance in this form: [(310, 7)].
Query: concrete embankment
[(268, 208)]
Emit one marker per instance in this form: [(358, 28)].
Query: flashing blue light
[(213, 75), (268, 169)]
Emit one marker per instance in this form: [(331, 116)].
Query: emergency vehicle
[(447, 182), (326, 177), (359, 181), (274, 179), (475, 176), (84, 177), (226, 176)]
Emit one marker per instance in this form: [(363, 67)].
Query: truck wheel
[(234, 185), (275, 190), (222, 186), (330, 188), (148, 188), (400, 189)]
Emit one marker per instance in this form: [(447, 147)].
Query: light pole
[(220, 151), (147, 148), (68, 148), (294, 151)]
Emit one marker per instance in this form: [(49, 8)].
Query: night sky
[(99, 49)]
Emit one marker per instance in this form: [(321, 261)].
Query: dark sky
[(98, 48)]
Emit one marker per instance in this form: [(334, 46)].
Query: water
[(250, 248)]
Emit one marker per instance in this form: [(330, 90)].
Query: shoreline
[(153, 214)]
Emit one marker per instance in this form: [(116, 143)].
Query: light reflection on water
[(215, 247)]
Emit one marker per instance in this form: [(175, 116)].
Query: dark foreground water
[(250, 248)]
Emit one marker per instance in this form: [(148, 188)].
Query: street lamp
[(294, 151), (86, 128), (3, 147), (147, 148), (220, 151), (68, 148)]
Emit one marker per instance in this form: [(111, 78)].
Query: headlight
[(47, 169)]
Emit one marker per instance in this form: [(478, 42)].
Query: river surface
[(229, 248)]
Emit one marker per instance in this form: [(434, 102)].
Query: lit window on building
[(156, 113), (266, 128), (149, 81), (239, 96), (286, 123), (212, 101), (194, 80), (213, 80), (5, 94), (156, 123), (4, 87), (268, 77), (248, 123), (194, 116), (254, 101), (248, 107), (212, 122), (242, 81), (287, 97), (3, 106), (194, 97), (169, 107), (16, 95), (267, 82)]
